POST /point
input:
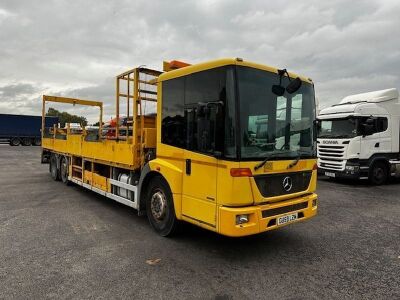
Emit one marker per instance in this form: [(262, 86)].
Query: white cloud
[(75, 48)]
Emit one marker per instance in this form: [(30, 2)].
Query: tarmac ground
[(60, 241)]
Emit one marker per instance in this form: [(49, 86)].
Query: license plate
[(330, 174), (286, 219)]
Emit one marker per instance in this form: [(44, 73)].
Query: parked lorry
[(359, 137), (23, 129), (195, 160)]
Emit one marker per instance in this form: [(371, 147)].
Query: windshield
[(271, 124), (338, 128)]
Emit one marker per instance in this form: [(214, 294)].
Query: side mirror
[(316, 129), (294, 85), (278, 90)]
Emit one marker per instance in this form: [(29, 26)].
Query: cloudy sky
[(75, 48)]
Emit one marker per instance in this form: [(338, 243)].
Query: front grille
[(284, 209), (271, 185), (331, 156)]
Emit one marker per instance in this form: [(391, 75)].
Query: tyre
[(26, 141), (378, 173), (64, 170), (160, 207), (44, 157), (15, 141), (53, 168), (37, 141)]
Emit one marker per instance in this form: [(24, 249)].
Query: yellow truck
[(196, 157)]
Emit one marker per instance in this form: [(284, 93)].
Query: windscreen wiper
[(293, 163), (272, 155), (296, 160)]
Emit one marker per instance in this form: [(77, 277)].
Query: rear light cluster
[(241, 172)]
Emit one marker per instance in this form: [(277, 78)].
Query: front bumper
[(264, 217), (357, 173)]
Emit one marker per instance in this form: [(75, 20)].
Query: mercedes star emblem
[(287, 183)]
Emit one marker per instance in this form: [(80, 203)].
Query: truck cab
[(359, 137)]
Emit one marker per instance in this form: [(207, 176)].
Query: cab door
[(200, 176), (199, 188), (205, 95)]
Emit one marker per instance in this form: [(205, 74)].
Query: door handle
[(188, 166), (377, 145)]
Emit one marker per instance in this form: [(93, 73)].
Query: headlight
[(352, 168)]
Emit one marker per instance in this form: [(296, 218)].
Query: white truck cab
[(359, 137)]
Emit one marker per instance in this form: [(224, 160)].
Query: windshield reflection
[(271, 124)]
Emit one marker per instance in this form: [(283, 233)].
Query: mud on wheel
[(160, 207)]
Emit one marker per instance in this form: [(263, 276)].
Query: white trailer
[(359, 137)]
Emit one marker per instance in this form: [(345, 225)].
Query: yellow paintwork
[(105, 151), (219, 63), (235, 195), (209, 197), (257, 223)]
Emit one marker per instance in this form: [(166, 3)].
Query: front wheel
[(160, 207), (378, 173)]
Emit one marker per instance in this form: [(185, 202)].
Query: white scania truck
[(359, 137)]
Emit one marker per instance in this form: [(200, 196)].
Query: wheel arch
[(380, 159), (172, 177)]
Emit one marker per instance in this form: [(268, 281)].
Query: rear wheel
[(378, 173), (64, 170), (53, 168), (26, 141), (15, 141), (160, 207)]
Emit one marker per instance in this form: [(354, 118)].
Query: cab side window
[(172, 127), (374, 124), (205, 94), (382, 124), (193, 111)]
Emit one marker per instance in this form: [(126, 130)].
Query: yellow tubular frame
[(72, 101)]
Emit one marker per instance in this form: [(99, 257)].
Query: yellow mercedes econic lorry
[(229, 146)]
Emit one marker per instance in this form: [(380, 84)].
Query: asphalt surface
[(60, 241)]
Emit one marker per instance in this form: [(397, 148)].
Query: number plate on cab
[(287, 219)]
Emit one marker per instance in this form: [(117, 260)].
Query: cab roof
[(372, 97), (364, 104), (223, 62)]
